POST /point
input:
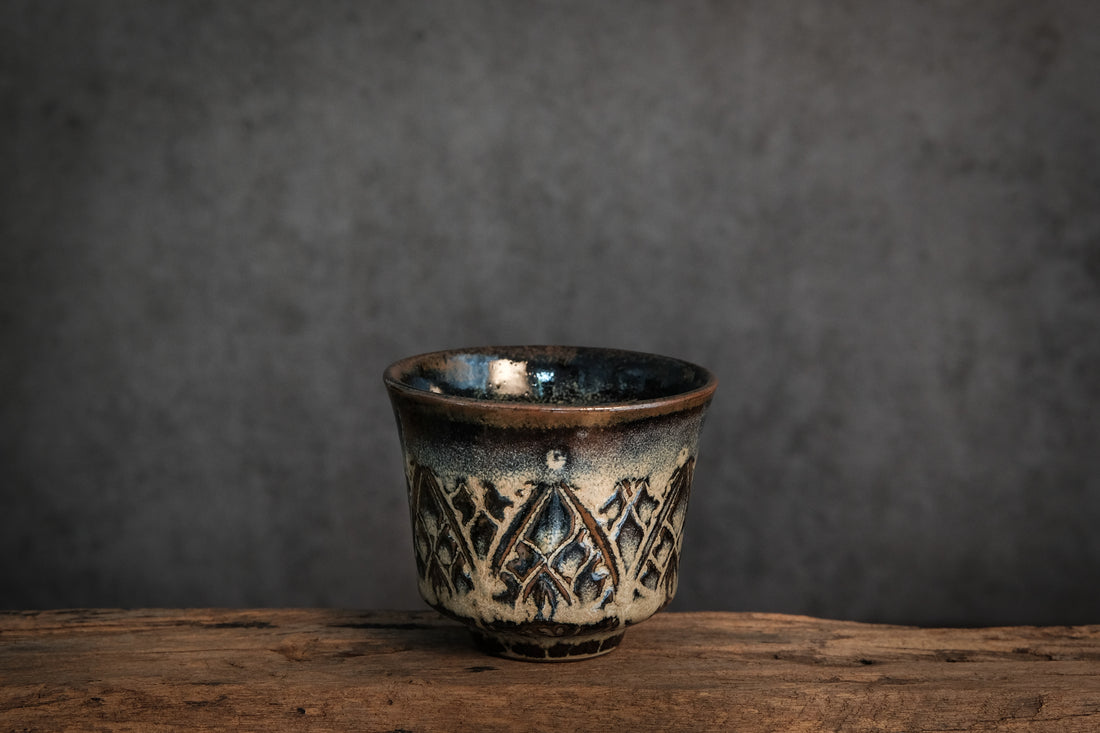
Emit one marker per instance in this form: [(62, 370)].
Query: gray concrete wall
[(878, 222)]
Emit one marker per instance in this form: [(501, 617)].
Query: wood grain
[(415, 671)]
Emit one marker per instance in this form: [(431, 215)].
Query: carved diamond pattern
[(645, 528), (441, 554), (659, 558), (554, 552), (440, 516), (629, 512)]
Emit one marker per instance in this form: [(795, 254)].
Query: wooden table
[(270, 670)]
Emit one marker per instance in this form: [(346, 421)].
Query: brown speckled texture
[(875, 220)]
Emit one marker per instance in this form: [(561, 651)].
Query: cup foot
[(533, 649)]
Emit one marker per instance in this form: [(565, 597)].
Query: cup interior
[(551, 375)]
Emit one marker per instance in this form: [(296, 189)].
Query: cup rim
[(541, 414)]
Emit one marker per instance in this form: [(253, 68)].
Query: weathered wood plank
[(388, 671)]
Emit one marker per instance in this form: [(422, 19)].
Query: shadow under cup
[(548, 488)]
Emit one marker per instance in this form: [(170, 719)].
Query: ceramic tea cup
[(548, 487)]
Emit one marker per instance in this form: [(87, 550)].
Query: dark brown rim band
[(534, 414)]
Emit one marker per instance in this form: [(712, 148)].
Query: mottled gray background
[(878, 222)]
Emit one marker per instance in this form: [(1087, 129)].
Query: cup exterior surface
[(547, 533)]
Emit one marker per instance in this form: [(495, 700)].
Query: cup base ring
[(531, 649)]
